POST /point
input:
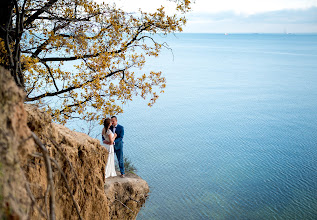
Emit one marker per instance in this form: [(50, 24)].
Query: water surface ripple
[(234, 136)]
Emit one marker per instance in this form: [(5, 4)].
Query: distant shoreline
[(228, 33)]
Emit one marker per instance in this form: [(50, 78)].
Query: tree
[(78, 58)]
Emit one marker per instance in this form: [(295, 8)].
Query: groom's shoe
[(122, 176)]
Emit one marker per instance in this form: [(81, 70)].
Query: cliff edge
[(78, 163)]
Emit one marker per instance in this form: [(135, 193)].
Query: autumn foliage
[(78, 58)]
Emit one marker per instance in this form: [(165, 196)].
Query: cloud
[(300, 20), (282, 16), (290, 16), (250, 6)]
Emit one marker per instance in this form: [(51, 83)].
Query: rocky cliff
[(78, 163), (14, 135)]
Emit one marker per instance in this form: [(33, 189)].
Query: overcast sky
[(240, 16)]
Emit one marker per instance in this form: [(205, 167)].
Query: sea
[(234, 135)]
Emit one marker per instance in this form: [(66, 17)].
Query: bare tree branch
[(124, 205), (51, 74), (39, 12), (68, 188), (58, 18), (70, 88), (8, 49), (46, 198), (33, 87), (46, 42), (52, 59), (69, 163), (76, 104), (134, 39), (28, 190), (89, 38), (49, 172)]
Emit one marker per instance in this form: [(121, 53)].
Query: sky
[(239, 16)]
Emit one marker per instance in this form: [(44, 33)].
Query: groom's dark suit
[(118, 145)]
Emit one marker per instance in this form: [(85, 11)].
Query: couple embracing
[(112, 135)]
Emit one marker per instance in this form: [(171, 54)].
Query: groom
[(118, 142)]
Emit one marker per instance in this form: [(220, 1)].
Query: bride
[(108, 136)]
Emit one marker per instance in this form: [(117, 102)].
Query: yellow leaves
[(183, 5), (3, 60), (104, 51)]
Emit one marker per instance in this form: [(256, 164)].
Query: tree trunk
[(11, 35), (6, 10)]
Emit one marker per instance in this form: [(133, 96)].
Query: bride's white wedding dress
[(110, 168)]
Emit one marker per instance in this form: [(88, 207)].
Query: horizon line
[(291, 33)]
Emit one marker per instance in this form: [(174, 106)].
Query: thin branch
[(46, 198), (124, 205), (28, 190), (17, 35), (33, 87), (86, 37), (135, 38), (68, 188), (30, 194), (49, 94), (8, 49), (47, 41), (53, 59), (58, 27), (51, 74), (69, 163), (54, 18), (58, 18), (123, 75), (49, 172), (39, 12), (76, 104), (40, 48)]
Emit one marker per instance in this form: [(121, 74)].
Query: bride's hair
[(106, 123)]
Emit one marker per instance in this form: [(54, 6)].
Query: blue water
[(234, 136)]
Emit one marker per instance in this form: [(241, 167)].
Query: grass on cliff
[(128, 166)]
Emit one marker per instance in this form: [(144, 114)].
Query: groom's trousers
[(119, 154)]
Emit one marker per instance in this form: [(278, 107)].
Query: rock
[(125, 196)]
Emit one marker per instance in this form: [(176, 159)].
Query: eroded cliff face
[(125, 196), (14, 133), (80, 158)]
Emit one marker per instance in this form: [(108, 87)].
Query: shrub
[(128, 166)]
